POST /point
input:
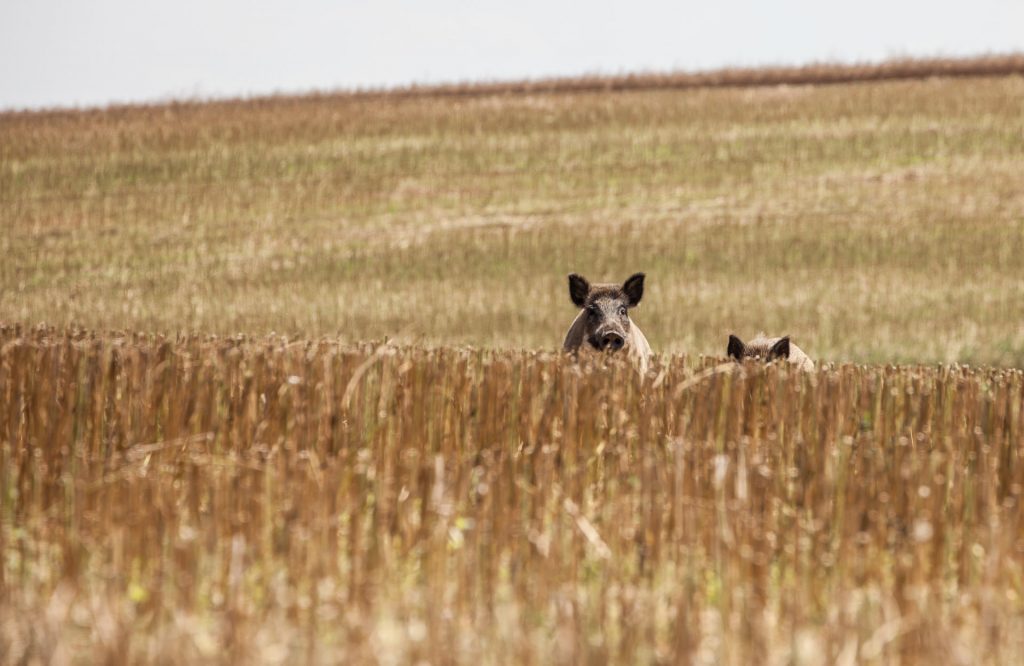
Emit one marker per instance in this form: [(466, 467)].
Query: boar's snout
[(612, 341)]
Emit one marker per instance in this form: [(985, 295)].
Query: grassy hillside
[(875, 221), (219, 495)]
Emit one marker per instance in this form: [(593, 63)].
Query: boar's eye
[(622, 310), (592, 309)]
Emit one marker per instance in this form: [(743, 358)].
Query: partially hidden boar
[(767, 349), (603, 323)]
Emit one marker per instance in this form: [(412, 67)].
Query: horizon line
[(811, 73)]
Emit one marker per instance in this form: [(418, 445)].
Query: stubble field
[(874, 222), (250, 480)]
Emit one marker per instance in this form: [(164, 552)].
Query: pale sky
[(96, 52)]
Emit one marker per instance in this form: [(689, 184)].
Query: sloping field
[(873, 221), (263, 500), (251, 481)]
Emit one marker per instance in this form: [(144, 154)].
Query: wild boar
[(769, 349), (603, 323)]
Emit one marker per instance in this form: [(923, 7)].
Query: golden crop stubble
[(261, 496)]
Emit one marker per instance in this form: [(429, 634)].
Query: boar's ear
[(780, 349), (736, 348), (633, 288), (579, 288)]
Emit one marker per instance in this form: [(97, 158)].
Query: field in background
[(262, 500), (874, 221)]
